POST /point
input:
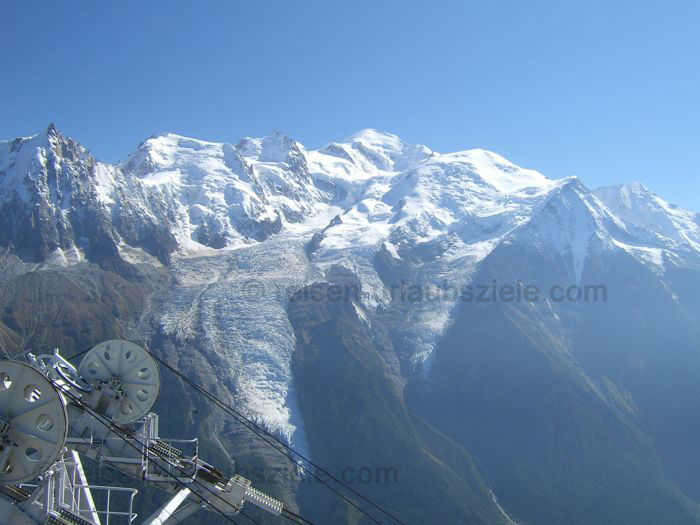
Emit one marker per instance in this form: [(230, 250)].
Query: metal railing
[(63, 492), (107, 513)]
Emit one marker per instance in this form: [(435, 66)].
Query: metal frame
[(134, 447)]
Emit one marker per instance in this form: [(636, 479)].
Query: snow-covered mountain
[(671, 226), (239, 228), (209, 196), (350, 201)]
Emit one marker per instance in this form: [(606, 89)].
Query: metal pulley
[(33, 423), (124, 378)]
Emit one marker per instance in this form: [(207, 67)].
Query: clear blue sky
[(608, 91)]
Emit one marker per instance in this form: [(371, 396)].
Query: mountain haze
[(335, 297)]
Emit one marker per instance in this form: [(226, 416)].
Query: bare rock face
[(46, 199), (53, 198)]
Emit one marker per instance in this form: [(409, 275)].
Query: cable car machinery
[(51, 413)]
